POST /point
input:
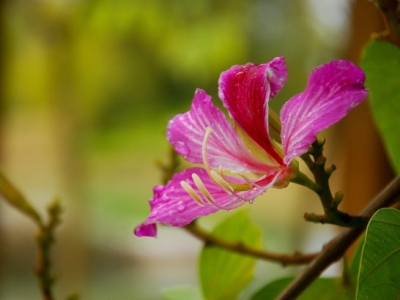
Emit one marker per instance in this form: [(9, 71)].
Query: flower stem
[(303, 180)]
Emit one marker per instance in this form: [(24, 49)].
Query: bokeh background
[(86, 90)]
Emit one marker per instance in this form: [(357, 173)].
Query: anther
[(203, 190), (192, 193), (221, 182)]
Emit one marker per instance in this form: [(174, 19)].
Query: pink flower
[(240, 160)]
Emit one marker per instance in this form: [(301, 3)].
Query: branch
[(391, 17), (336, 248), (284, 259), (315, 161), (44, 241)]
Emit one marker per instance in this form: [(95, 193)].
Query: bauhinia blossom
[(240, 159)]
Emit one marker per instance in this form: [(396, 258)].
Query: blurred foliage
[(129, 60), (107, 76)]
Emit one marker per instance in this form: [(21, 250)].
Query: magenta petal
[(146, 230), (245, 91), (332, 91), (224, 147), (172, 205)]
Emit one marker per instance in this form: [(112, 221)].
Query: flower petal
[(224, 147), (332, 91), (172, 205), (245, 91)]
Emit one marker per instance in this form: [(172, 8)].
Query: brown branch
[(239, 247), (44, 241), (391, 17), (336, 248)]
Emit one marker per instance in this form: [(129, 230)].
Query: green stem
[(303, 180), (315, 161)]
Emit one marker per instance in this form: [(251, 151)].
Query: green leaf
[(379, 275), (183, 293), (381, 63), (223, 274)]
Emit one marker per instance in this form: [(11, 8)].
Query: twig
[(44, 241), (336, 248), (315, 161), (45, 236), (284, 259)]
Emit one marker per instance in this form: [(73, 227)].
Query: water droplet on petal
[(164, 198), (239, 76), (251, 201), (181, 206), (182, 149)]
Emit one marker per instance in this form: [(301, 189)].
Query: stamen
[(204, 149), (247, 179), (192, 193), (221, 171), (221, 182), (203, 190)]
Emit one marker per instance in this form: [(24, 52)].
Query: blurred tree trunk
[(71, 259), (2, 117), (367, 168)]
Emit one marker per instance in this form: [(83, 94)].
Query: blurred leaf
[(183, 293), (381, 63), (223, 274), (379, 276)]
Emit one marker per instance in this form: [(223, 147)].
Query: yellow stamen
[(221, 182), (192, 193), (203, 190), (247, 179), (204, 150)]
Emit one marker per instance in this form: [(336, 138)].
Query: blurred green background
[(86, 90)]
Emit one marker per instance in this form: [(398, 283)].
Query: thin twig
[(284, 259), (336, 248), (44, 241), (45, 236)]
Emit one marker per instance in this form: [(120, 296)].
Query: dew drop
[(164, 198), (180, 207), (239, 76), (251, 201)]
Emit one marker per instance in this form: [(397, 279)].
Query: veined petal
[(332, 91), (224, 147), (245, 91), (172, 204)]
